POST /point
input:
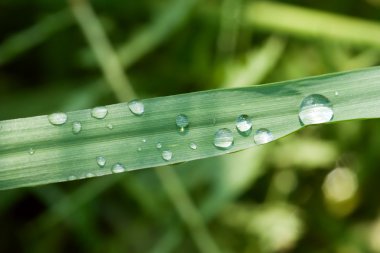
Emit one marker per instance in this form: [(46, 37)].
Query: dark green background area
[(280, 182)]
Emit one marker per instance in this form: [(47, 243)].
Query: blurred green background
[(313, 191)]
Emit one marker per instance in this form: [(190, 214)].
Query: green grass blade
[(59, 154)]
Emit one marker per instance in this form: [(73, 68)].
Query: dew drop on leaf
[(31, 151), (223, 138), (136, 107), (262, 136), (89, 175), (77, 127), (101, 161), (315, 109), (167, 155), (193, 146), (57, 118), (118, 168), (244, 124), (99, 112), (71, 178), (182, 122)]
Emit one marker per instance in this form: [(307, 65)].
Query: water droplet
[(58, 118), (109, 126), (89, 175), (143, 140), (263, 136), (139, 149), (101, 161), (158, 145), (99, 112), (77, 127), (136, 107), (193, 146), (182, 122), (31, 151), (167, 155), (315, 109), (118, 168), (244, 124), (223, 138), (336, 93), (71, 178)]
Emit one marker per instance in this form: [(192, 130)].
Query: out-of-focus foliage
[(315, 191)]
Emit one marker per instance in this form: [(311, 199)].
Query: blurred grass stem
[(102, 48), (311, 24)]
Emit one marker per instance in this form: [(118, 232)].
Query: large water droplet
[(118, 168), (182, 122), (167, 155), (159, 145), (223, 138), (244, 124), (315, 109), (101, 161), (77, 127), (99, 112), (193, 146), (136, 107), (58, 118), (262, 136)]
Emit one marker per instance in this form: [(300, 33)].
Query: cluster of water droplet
[(314, 109)]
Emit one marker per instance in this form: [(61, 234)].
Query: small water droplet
[(262, 136), (139, 149), (244, 124), (159, 145), (182, 122), (193, 146), (315, 109), (101, 161), (71, 178), (143, 140), (118, 168), (99, 112), (223, 138), (336, 93), (77, 127), (57, 118), (89, 175), (167, 155), (31, 151), (110, 126), (136, 107)]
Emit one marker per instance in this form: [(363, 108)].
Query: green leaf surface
[(59, 154)]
